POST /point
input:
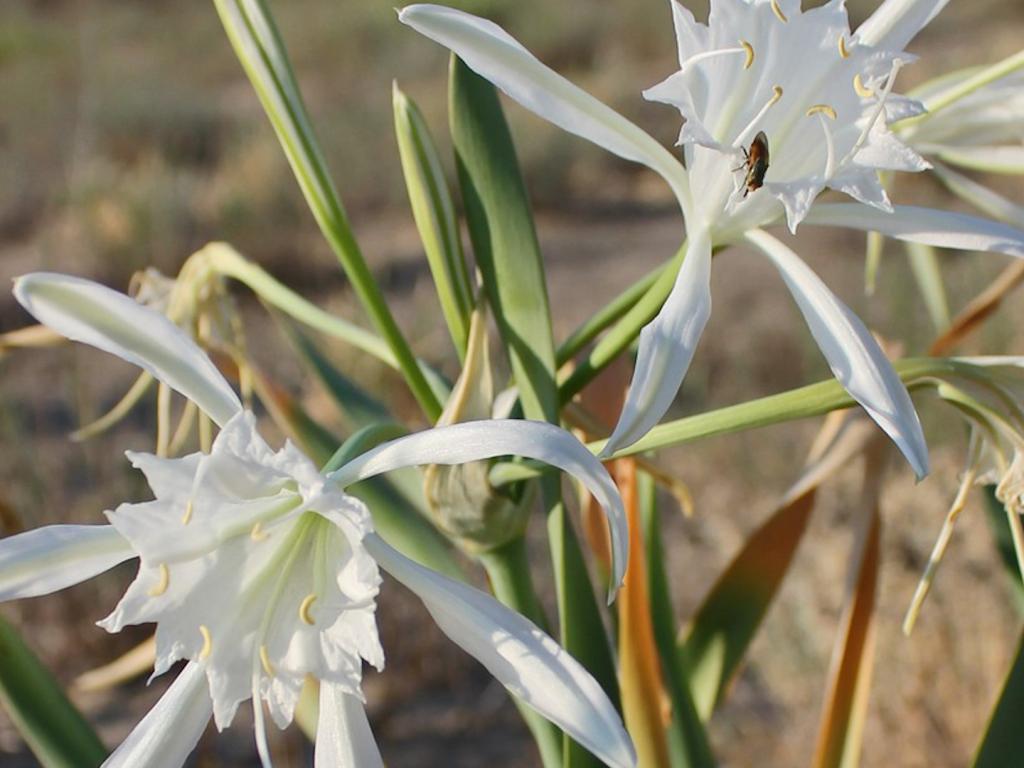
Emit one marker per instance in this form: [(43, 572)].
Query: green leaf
[(434, 212), (508, 255), (725, 624), (261, 50), (357, 407), (1002, 745), (688, 741), (625, 331), (54, 730), (504, 238), (925, 265), (1003, 539)]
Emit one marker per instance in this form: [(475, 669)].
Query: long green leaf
[(688, 741), (54, 730), (508, 255), (434, 212), (1002, 745), (261, 50)]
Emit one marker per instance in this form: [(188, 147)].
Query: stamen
[(204, 652), (842, 47), (161, 586), (778, 11), (304, 613), (745, 49), (265, 661), (187, 517), (750, 54), (862, 90), (743, 135), (257, 533), (830, 149), (890, 81), (822, 109)]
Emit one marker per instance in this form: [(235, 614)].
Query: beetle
[(755, 161)]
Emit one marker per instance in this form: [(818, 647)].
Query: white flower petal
[(495, 55), (691, 36), (899, 107), (923, 225), (48, 559), (862, 184), (896, 22), (797, 197), (93, 314), (477, 440), (852, 353), (170, 731), (519, 655), (886, 152), (667, 345), (343, 735)]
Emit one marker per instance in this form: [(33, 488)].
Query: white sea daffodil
[(822, 95), (259, 570)]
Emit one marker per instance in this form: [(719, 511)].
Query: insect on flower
[(756, 163)]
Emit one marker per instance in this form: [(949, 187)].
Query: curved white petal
[(896, 22), (852, 353), (93, 314), (519, 655), (495, 55), (54, 557), (923, 225), (667, 345), (169, 732), (343, 735), (991, 159), (476, 440)]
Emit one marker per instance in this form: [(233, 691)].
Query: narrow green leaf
[(260, 49), (725, 624), (1003, 539), (504, 238), (1002, 745), (608, 314), (508, 255), (357, 407), (625, 331), (54, 730), (434, 212), (925, 266), (872, 260), (688, 741)]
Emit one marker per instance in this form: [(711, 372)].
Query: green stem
[(611, 312), (226, 261), (625, 330), (803, 402), (952, 95), (508, 568), (259, 47)]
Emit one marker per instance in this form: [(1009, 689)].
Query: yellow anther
[(161, 586), (257, 533), (304, 613), (187, 517), (749, 50), (776, 94), (822, 109), (778, 11), (842, 48), (207, 642), (265, 661), (863, 91)]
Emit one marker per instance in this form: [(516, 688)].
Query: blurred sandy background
[(129, 137)]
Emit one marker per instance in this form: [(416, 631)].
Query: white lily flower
[(260, 570), (820, 94)]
